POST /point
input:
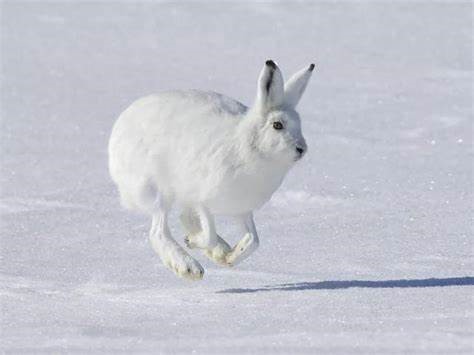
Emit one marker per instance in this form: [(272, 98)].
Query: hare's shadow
[(337, 285)]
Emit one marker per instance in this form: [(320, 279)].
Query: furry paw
[(219, 253), (241, 250), (177, 260), (188, 240), (196, 241), (187, 268)]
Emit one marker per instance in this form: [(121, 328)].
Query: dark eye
[(277, 125)]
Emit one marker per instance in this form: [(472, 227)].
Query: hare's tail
[(140, 197)]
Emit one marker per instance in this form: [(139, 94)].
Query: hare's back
[(176, 113), (170, 117), (162, 132)]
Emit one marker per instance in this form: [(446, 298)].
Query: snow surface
[(366, 248)]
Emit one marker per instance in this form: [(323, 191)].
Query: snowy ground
[(366, 248)]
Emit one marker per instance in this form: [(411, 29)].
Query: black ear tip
[(271, 64), (311, 67)]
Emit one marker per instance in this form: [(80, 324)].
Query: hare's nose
[(300, 150)]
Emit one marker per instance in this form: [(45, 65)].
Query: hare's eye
[(277, 125)]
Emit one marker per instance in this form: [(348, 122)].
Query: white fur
[(210, 155)]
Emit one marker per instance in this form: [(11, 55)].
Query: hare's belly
[(243, 195)]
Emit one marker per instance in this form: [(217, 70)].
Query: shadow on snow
[(337, 285)]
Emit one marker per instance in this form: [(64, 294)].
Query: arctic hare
[(211, 155)]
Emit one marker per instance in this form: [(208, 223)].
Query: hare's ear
[(295, 86), (270, 87)]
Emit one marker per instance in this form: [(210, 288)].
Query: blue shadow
[(338, 285)]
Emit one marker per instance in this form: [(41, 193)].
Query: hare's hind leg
[(193, 227), (171, 253)]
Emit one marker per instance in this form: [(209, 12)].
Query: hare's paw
[(189, 241), (185, 267), (197, 241), (219, 253), (241, 250), (181, 263)]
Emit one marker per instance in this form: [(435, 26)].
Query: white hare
[(211, 155)]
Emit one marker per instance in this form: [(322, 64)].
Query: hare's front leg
[(171, 253), (204, 236), (247, 245), (193, 226)]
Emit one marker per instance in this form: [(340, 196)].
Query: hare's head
[(277, 125)]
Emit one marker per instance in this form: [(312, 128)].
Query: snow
[(366, 248)]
